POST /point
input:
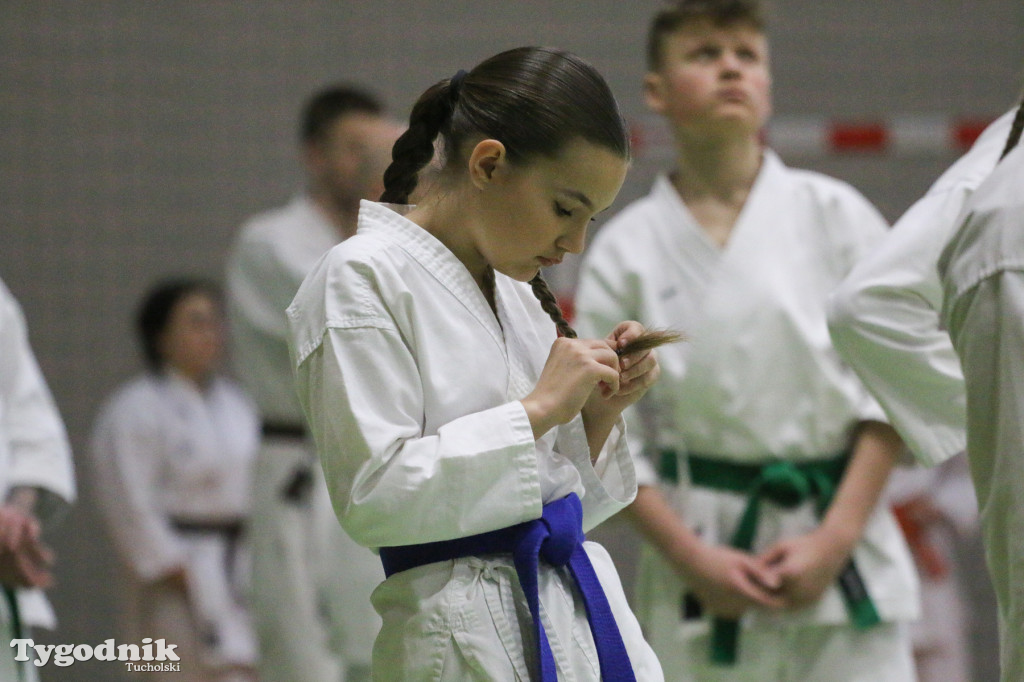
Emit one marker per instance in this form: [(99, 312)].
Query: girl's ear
[(486, 160)]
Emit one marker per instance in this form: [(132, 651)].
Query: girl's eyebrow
[(579, 196)]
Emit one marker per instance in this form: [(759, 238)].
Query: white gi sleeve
[(38, 453), (884, 322), (392, 485)]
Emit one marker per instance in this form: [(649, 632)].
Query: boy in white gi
[(884, 322), (769, 557), (311, 583), (981, 271), (458, 435), (37, 483), (172, 454)]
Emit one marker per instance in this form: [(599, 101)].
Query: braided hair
[(533, 100), (1015, 130)]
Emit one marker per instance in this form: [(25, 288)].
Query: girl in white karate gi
[(172, 451), (739, 252), (447, 413)]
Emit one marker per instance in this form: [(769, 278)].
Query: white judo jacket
[(412, 387), (758, 377)]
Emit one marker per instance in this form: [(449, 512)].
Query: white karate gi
[(884, 321), (757, 379), (412, 389), (311, 582), (982, 272), (34, 452), (164, 454), (884, 317)]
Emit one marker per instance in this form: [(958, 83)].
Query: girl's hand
[(728, 582), (806, 565), (637, 373), (571, 374)]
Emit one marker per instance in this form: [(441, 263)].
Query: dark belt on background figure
[(230, 531), (271, 429), (557, 537), (298, 487), (787, 484)]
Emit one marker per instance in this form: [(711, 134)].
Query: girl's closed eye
[(561, 211)]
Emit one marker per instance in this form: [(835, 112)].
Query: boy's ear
[(654, 88), (487, 158)]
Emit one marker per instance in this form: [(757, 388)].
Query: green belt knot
[(783, 484)]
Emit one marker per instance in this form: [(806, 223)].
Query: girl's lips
[(548, 262)]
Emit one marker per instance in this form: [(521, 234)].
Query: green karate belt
[(787, 484)]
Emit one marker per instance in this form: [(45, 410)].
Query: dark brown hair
[(157, 306), (675, 15), (326, 106), (533, 100), (1015, 130)]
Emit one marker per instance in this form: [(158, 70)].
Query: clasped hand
[(791, 574)]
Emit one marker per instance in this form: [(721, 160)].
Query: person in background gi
[(448, 416), (982, 274), (37, 484), (311, 583), (884, 322), (768, 556), (172, 454)]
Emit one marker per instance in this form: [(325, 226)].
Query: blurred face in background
[(712, 80), (192, 343), (348, 164)]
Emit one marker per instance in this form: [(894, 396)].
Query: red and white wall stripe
[(818, 136)]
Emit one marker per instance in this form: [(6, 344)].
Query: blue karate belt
[(557, 537)]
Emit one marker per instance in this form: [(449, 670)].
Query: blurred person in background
[(311, 583), (172, 453), (37, 484)]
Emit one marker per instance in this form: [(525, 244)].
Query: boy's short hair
[(326, 106), (675, 14)]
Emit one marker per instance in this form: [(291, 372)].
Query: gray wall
[(136, 136)]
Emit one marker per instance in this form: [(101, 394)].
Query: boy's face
[(712, 79)]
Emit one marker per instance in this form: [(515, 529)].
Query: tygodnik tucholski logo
[(150, 656)]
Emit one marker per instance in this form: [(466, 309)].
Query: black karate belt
[(787, 484), (271, 429), (231, 531)]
